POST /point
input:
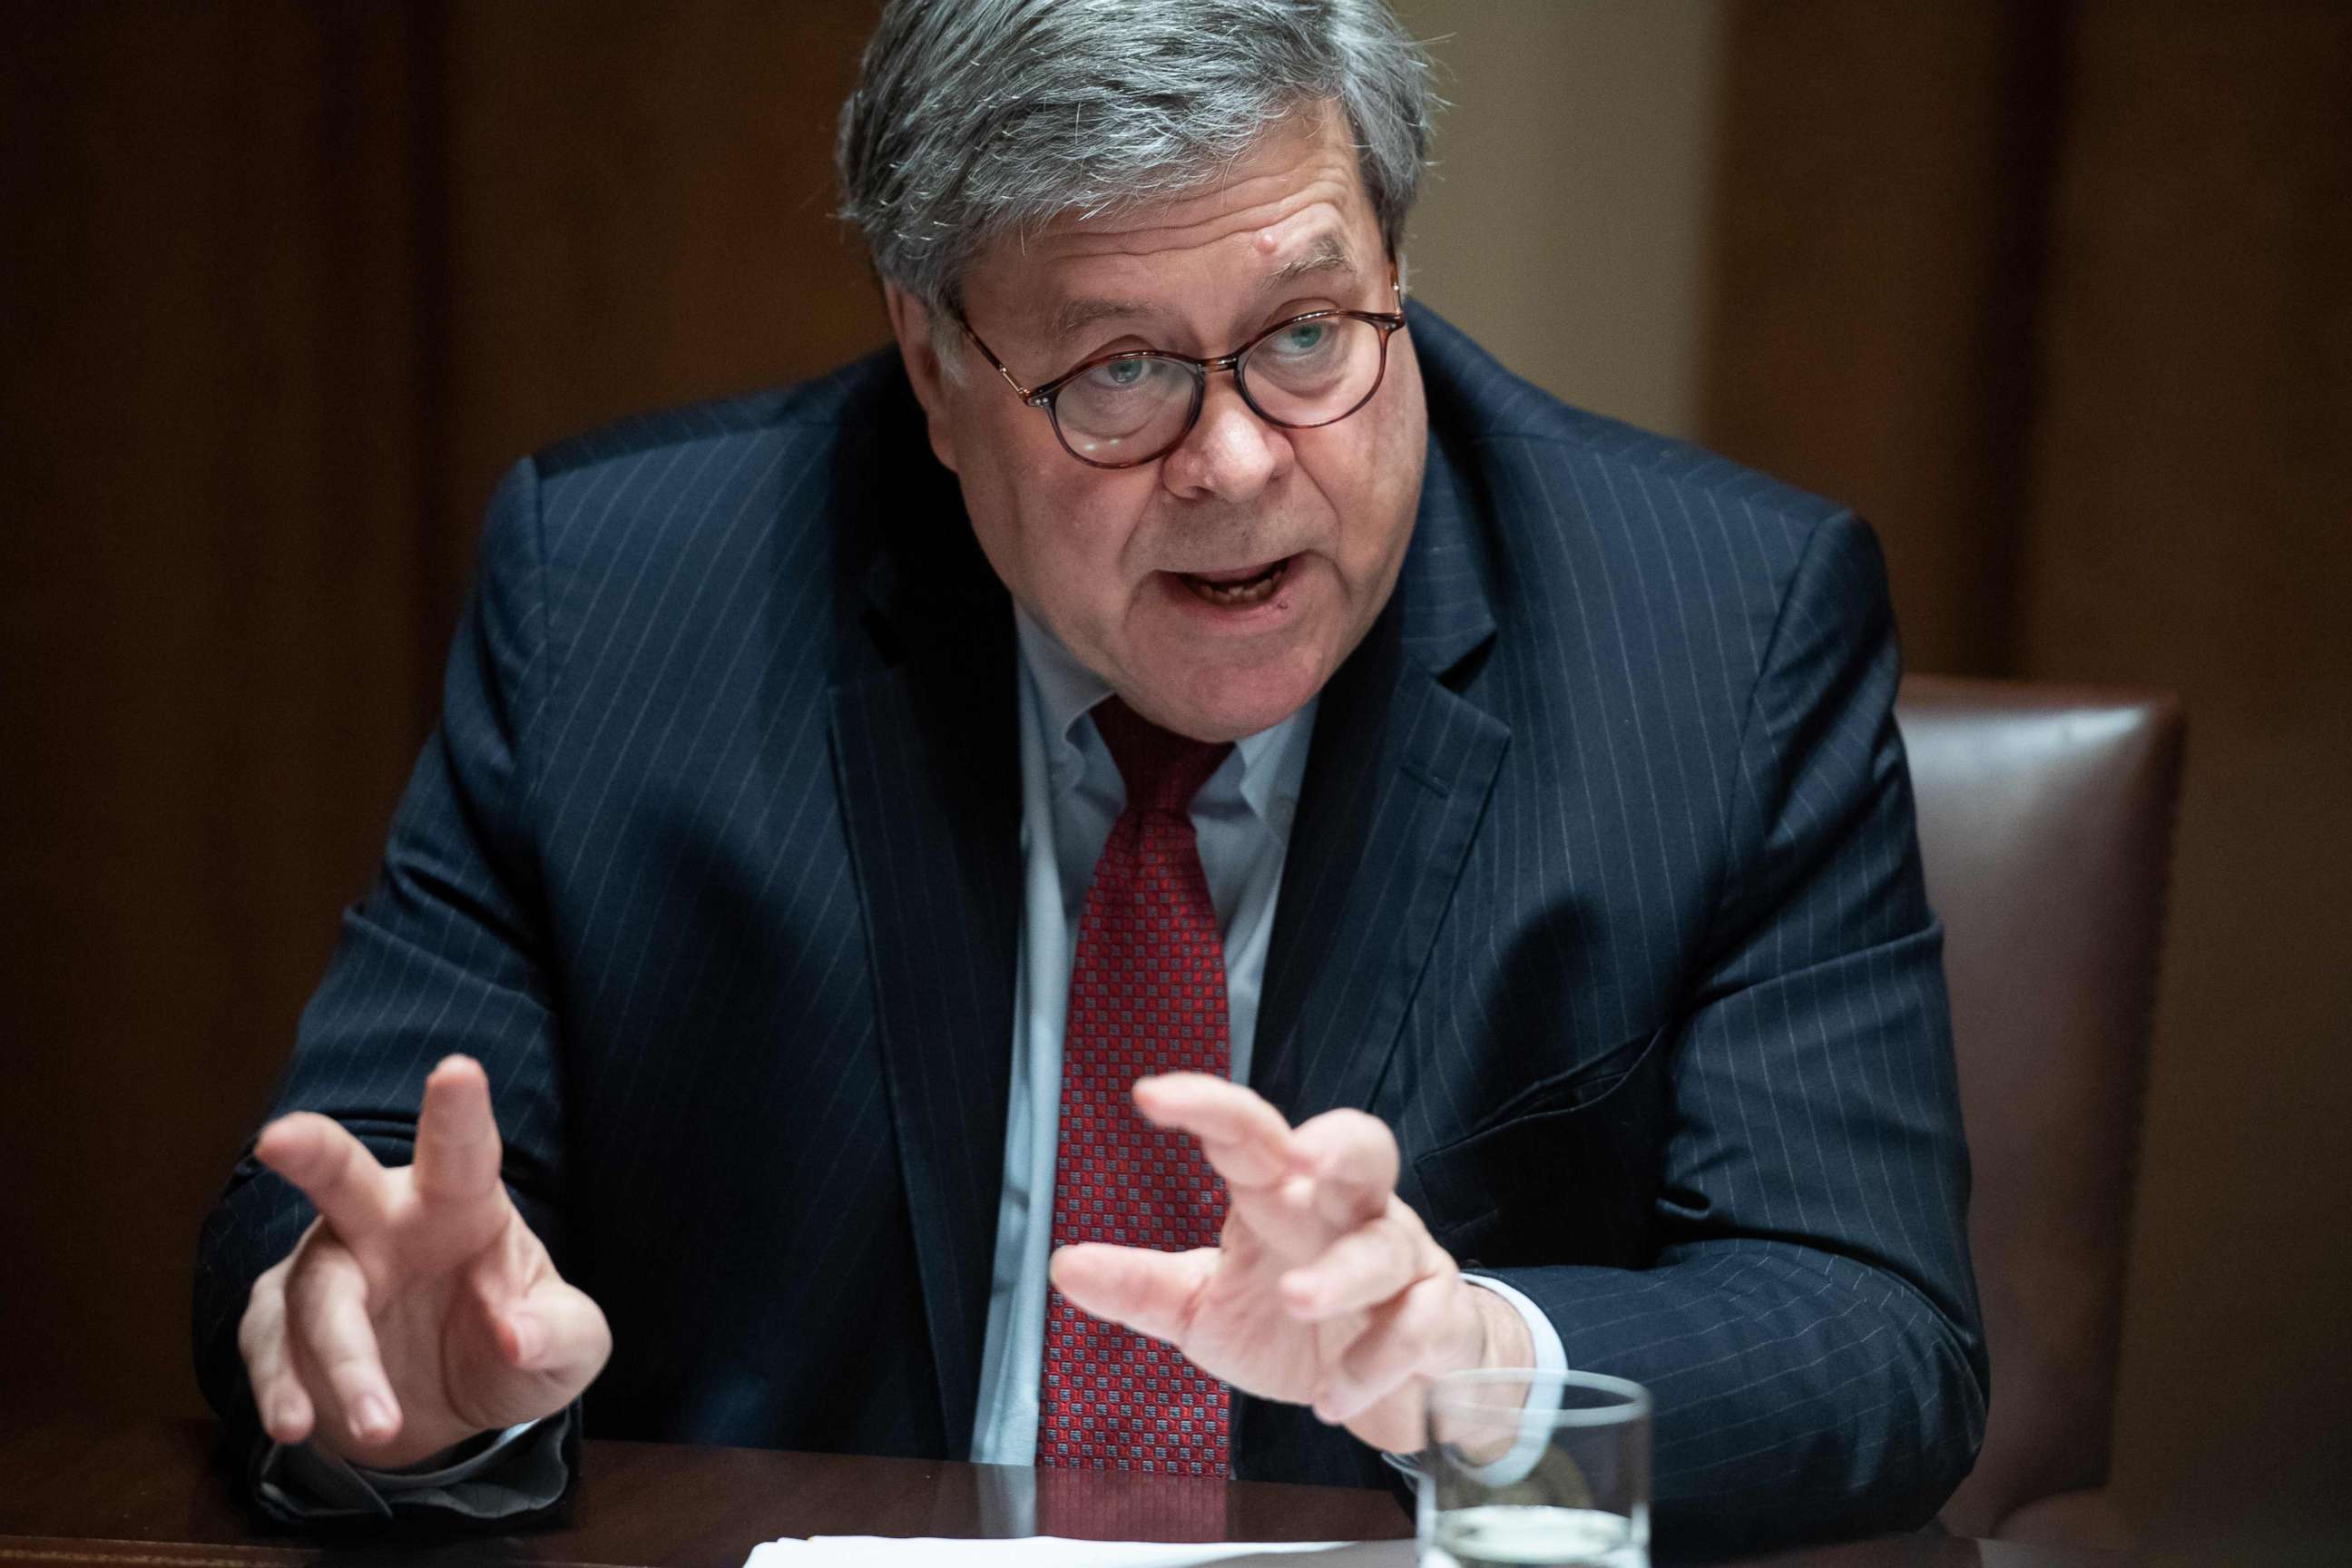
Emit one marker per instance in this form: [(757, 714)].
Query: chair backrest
[(2046, 825)]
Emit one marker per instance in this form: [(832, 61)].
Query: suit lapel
[(929, 765), (1396, 785)]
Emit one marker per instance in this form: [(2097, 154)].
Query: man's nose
[(1230, 454)]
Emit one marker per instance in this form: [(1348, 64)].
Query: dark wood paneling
[(286, 286), (2065, 302), (1880, 201), (211, 586), (642, 213), (2190, 524)]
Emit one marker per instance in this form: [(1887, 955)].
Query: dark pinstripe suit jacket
[(1603, 893)]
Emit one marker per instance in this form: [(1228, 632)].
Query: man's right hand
[(418, 1309)]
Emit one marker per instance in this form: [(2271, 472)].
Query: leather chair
[(2045, 823)]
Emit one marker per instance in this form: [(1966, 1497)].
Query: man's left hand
[(1325, 1288)]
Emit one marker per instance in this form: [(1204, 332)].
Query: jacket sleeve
[(1809, 1322), (446, 954)]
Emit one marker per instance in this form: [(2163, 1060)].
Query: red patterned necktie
[(1147, 996)]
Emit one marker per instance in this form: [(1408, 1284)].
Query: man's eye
[(1303, 338), (1121, 373)]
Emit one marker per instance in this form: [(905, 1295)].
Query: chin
[(1227, 704)]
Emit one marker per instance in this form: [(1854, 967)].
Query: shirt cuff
[(1551, 1355), (1542, 1405), (519, 1470)]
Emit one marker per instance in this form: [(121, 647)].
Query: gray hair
[(976, 118)]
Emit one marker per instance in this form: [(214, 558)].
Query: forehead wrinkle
[(1311, 201), (1327, 254), (1175, 228)]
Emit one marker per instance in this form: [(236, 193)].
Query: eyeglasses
[(1123, 409)]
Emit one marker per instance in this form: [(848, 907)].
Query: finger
[(333, 1168), (457, 1146), (1353, 1158), (558, 1331), (1247, 1143), (285, 1409), (327, 1306), (1363, 1268), (1246, 1140), (1150, 1292), (1405, 1338)]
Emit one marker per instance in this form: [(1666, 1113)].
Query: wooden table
[(81, 1494)]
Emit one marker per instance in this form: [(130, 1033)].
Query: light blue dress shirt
[(1070, 796)]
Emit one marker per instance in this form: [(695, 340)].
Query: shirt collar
[(1272, 761)]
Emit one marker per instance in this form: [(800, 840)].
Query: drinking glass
[(1535, 1468)]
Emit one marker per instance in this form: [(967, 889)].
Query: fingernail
[(280, 1420), (373, 1417)]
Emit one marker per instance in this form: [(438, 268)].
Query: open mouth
[(1238, 590)]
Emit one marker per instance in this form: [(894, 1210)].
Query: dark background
[(2060, 293)]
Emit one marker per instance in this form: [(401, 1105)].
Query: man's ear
[(911, 323)]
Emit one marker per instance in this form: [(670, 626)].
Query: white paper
[(1056, 1551)]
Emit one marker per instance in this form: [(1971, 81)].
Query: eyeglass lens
[(1133, 409)]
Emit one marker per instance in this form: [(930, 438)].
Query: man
[(1284, 863)]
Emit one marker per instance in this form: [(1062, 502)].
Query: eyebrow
[(1328, 255)]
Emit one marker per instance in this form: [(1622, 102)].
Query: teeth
[(1250, 590)]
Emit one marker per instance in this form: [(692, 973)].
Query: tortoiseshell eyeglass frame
[(1045, 394)]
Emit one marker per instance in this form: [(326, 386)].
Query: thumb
[(1150, 1292), (556, 1332)]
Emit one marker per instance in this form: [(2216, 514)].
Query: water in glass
[(1518, 1535)]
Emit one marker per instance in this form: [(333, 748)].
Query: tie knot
[(1162, 770)]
